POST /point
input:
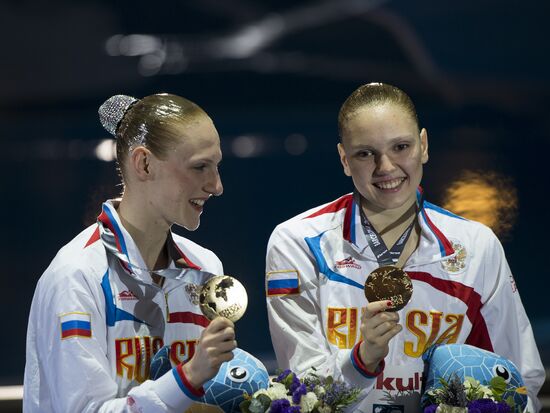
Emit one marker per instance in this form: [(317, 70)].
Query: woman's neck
[(390, 223), (148, 233)]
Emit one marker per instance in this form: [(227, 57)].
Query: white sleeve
[(74, 374), (507, 323), (295, 320)]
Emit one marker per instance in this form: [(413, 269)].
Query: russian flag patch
[(283, 283), (75, 324)]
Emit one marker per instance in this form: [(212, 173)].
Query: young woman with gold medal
[(318, 262)]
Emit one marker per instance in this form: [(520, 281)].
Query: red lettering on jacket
[(417, 321), (387, 382), (133, 356), (181, 351), (342, 326)]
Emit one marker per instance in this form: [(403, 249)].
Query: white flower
[(258, 392), (486, 391), (307, 402), (324, 409), (277, 391), (319, 391), (470, 383), (443, 408), (475, 389)]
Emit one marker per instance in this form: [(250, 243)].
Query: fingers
[(381, 325), (215, 347), (379, 319), (224, 346), (392, 332), (378, 327), (383, 333), (223, 356), (219, 330), (220, 323), (377, 307), (375, 316), (218, 337)]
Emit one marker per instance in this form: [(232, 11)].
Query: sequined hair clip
[(113, 110)]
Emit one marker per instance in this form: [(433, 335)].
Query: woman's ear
[(140, 160), (344, 159), (424, 145)]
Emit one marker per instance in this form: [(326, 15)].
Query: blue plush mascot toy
[(224, 392), (464, 360)]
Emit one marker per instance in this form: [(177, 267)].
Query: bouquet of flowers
[(471, 396), (313, 394)]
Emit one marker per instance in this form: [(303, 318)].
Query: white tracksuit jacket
[(464, 292), (94, 326)]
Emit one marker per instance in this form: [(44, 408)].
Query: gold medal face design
[(223, 296), (389, 283)]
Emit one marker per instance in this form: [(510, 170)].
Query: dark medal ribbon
[(388, 282), (383, 254)]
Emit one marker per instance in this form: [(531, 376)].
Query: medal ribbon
[(382, 253), (191, 275)]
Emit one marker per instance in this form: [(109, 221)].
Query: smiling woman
[(168, 151), (116, 294), (454, 270)]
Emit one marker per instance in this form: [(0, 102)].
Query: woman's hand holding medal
[(223, 300), (378, 327), (217, 342), (388, 289)]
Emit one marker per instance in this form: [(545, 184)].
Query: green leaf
[(256, 405), (244, 406), (287, 381), (498, 385), (510, 402), (265, 401)]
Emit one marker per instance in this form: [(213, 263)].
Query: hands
[(378, 327), (215, 347)]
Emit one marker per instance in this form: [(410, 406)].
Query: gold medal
[(223, 296), (389, 283)]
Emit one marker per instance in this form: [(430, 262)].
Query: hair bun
[(113, 110)]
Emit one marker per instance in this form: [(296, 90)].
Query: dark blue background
[(478, 72)]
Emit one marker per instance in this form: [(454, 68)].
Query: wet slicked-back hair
[(156, 122), (374, 94)]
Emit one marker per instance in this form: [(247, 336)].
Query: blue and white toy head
[(464, 360), (244, 373)]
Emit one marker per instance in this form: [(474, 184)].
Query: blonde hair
[(155, 122), (374, 94)]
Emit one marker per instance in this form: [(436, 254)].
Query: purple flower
[(334, 392), (484, 406), (294, 409), (283, 375), (295, 384), (431, 408), (279, 406), (502, 407), (300, 391)]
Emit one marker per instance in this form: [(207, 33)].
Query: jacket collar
[(126, 250), (432, 240)]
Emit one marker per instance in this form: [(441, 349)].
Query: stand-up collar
[(431, 237), (118, 240)]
